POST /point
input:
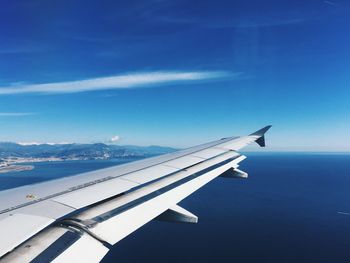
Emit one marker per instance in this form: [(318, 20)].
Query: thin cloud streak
[(15, 114), (134, 80)]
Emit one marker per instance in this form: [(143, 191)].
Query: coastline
[(16, 168)]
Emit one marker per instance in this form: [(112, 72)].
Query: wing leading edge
[(86, 214)]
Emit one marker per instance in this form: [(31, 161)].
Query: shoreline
[(16, 168)]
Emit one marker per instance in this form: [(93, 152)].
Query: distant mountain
[(78, 151)]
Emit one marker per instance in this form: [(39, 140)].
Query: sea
[(294, 207)]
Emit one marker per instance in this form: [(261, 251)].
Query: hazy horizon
[(248, 149)]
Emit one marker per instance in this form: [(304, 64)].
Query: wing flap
[(58, 244), (150, 174), (16, 228), (137, 216), (209, 153), (88, 249), (89, 195), (184, 162)]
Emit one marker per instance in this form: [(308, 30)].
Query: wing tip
[(261, 135), (262, 131)]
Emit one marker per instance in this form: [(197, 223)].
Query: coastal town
[(16, 157), (6, 167), (19, 164)]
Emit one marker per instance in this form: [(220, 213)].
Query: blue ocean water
[(44, 171), (286, 211)]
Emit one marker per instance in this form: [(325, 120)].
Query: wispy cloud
[(330, 3), (24, 48), (19, 50), (15, 114), (133, 80)]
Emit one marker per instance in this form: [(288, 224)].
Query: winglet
[(261, 134)]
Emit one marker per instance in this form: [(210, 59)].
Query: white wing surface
[(82, 216)]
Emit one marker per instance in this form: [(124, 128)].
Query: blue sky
[(176, 73)]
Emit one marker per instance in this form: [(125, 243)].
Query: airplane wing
[(82, 216)]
